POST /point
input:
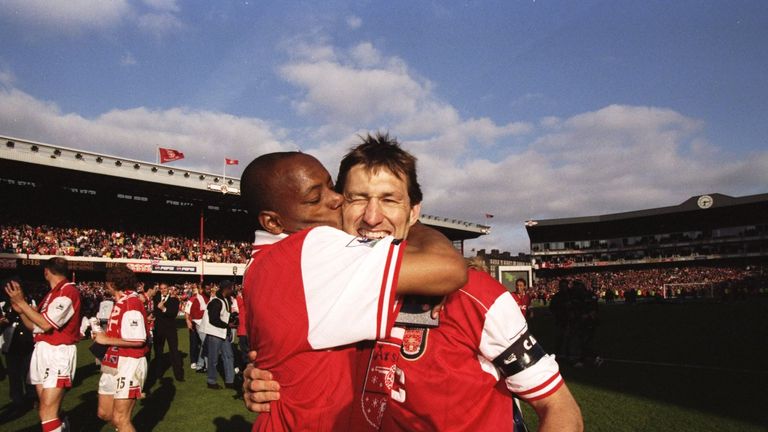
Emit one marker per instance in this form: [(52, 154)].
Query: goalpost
[(673, 290)]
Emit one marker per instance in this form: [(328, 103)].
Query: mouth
[(374, 235)]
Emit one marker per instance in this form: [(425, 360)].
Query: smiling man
[(482, 350), (312, 290)]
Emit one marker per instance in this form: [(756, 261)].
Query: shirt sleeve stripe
[(533, 393), (559, 383), (387, 294)]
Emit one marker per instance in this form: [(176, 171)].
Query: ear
[(415, 213), (271, 222)]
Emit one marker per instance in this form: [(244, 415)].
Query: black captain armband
[(521, 355)]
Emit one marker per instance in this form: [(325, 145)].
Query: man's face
[(520, 285), (164, 289), (376, 204), (306, 195)]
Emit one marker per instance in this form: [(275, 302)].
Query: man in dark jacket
[(166, 308)]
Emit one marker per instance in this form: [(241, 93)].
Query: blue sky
[(521, 109)]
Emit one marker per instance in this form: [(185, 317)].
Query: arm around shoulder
[(431, 265)]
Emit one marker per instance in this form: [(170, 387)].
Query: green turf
[(729, 340), (170, 406)]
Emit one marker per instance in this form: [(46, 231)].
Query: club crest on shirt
[(362, 241), (414, 343), (134, 323)]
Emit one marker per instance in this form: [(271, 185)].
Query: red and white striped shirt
[(447, 378)]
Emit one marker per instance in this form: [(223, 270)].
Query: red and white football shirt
[(306, 296), (128, 321), (447, 379), (61, 308)]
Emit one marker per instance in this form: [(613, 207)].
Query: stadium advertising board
[(169, 268)]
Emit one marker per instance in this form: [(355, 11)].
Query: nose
[(373, 214), (335, 200)]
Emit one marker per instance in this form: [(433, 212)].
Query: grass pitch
[(669, 367)]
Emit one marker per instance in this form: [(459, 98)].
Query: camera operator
[(217, 326)]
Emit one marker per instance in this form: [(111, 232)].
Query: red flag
[(231, 161), (170, 155)]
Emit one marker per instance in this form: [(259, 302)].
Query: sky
[(517, 109)]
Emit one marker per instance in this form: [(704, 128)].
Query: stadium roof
[(694, 213), (98, 163), (34, 160)]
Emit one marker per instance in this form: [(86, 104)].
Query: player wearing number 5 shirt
[(124, 366), (56, 328), (310, 294)]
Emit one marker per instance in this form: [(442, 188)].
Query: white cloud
[(617, 158), (354, 22), (361, 87), (159, 24), (66, 16), (79, 16), (7, 78), (205, 137), (128, 60), (163, 5)]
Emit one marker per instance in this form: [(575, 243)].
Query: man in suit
[(165, 311)]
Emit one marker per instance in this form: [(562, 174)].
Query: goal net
[(689, 290)]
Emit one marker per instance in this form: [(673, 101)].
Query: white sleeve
[(349, 286), (59, 312), (132, 326), (529, 372)]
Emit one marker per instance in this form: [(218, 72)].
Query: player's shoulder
[(481, 288), (70, 290)]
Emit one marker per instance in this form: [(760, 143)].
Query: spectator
[(217, 328)]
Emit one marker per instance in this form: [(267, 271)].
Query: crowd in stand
[(695, 281), (95, 242)]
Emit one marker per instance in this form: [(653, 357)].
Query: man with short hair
[(56, 329), (481, 351), (124, 366), (311, 289), (166, 308), (215, 324)]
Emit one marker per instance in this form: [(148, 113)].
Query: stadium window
[(118, 163), (186, 175), (202, 177), (136, 166), (57, 152), (99, 159), (34, 148), (154, 169), (79, 156), (10, 144)]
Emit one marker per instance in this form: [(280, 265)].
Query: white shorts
[(53, 365), (128, 381)]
